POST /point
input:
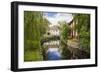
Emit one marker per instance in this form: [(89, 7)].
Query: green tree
[(83, 27), (35, 25), (31, 30), (64, 33), (34, 28)]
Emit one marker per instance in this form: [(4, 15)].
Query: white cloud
[(59, 17)]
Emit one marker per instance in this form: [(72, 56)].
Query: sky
[(55, 17)]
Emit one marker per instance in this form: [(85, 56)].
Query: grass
[(32, 56)]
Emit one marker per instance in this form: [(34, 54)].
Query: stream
[(53, 54)]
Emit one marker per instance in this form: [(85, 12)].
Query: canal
[(53, 54)]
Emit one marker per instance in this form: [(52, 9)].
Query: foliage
[(30, 35), (32, 56), (66, 54), (35, 25), (64, 33), (83, 27)]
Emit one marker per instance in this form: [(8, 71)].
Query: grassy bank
[(32, 56)]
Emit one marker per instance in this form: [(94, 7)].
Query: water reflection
[(53, 54)]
